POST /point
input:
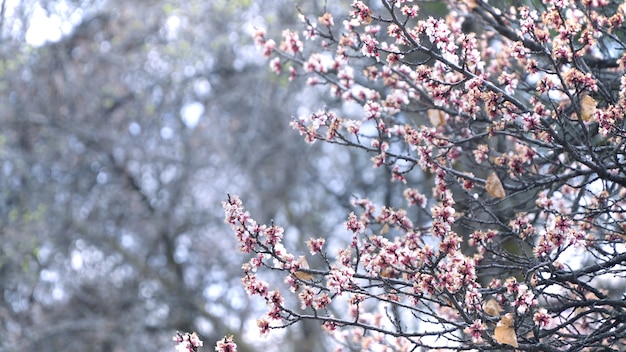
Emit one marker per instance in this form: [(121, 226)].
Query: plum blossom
[(187, 342), (542, 319), (264, 326), (476, 330), (506, 100), (361, 12), (525, 299), (370, 46), (291, 43), (339, 280), (315, 244), (354, 225), (227, 344)]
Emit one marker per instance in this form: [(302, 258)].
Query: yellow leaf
[(494, 186), (505, 331), (492, 307), (303, 265), (587, 107), (436, 117)]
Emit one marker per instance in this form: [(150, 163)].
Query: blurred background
[(124, 125)]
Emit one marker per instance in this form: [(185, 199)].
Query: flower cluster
[(226, 344), (186, 342), (508, 142)]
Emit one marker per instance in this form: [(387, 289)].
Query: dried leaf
[(587, 107), (388, 272), (533, 280), (436, 117), (471, 4), (494, 186), (303, 276), (303, 265), (505, 331), (492, 307)]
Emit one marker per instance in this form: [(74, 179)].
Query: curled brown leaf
[(505, 331), (494, 186)]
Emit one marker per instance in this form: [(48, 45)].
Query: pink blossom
[(187, 342), (410, 11), (312, 81), (306, 297), (264, 326), (275, 65), (274, 234), (329, 326), (311, 31), (291, 43), (361, 12), (475, 330), (292, 73), (339, 280), (370, 46), (315, 244), (226, 344), (352, 126), (314, 64), (542, 319), (512, 286), (346, 76), (322, 301), (481, 153), (525, 299), (414, 197), (259, 36), (269, 47), (353, 224), (254, 286)]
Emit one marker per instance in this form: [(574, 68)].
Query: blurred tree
[(119, 141)]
